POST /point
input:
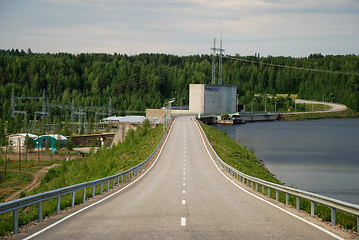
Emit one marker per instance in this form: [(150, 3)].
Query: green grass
[(243, 160), (236, 155), (136, 148)]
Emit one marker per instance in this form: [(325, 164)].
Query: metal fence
[(38, 199), (334, 204)]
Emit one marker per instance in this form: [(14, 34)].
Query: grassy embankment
[(136, 148), (243, 159)]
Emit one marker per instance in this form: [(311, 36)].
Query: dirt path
[(35, 182)]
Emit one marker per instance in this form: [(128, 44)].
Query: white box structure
[(207, 99)]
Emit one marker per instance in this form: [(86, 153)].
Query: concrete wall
[(122, 129), (196, 98)]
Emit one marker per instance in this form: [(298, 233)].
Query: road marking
[(95, 203), (184, 172), (184, 184), (184, 178), (183, 202), (183, 221), (272, 204), (184, 191)]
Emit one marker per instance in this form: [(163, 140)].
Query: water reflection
[(320, 156)]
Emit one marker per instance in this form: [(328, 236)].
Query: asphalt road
[(183, 196)]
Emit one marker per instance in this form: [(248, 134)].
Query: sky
[(295, 28)]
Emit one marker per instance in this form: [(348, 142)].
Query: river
[(320, 156)]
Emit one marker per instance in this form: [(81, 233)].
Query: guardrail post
[(101, 189), (287, 198), (268, 191), (108, 186), (256, 187), (113, 183), (262, 189), (333, 216), (251, 184), (312, 210), (84, 196), (276, 194), (39, 212), (58, 205), (121, 179), (72, 199), (118, 181), (93, 191), (247, 182), (297, 202), (16, 221)]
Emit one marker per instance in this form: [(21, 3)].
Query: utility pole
[(19, 141), (26, 142), (13, 103), (73, 113), (265, 103), (5, 160), (221, 50), (109, 108), (213, 62)]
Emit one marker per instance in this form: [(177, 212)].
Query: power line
[(290, 67)]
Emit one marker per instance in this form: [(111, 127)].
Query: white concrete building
[(204, 99), (212, 99)]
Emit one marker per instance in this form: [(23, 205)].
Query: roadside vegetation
[(236, 155), (244, 160), (136, 148)]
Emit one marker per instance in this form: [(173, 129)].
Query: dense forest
[(134, 83)]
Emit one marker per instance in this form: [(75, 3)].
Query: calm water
[(320, 156)]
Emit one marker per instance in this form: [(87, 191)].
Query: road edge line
[(97, 202), (272, 204)]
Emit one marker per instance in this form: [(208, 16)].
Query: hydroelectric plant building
[(207, 99)]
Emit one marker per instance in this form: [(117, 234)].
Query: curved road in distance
[(334, 107), (183, 196)]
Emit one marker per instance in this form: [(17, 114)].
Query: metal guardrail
[(125, 176), (334, 204)]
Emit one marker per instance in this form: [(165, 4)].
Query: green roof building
[(50, 141)]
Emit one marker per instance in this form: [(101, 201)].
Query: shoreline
[(336, 111)]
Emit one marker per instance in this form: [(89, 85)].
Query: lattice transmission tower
[(220, 51)]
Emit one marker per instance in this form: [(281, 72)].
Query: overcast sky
[(183, 27)]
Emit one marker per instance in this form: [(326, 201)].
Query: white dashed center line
[(183, 221)]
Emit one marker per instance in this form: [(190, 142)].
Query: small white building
[(19, 139), (125, 119)]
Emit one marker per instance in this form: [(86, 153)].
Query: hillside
[(137, 82)]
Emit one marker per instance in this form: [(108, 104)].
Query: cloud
[(274, 27)]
